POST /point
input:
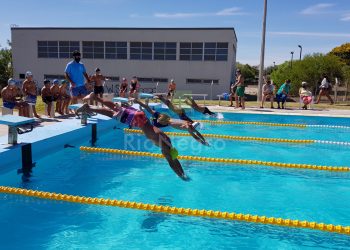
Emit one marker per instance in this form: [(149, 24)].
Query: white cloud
[(311, 34), (225, 12), (317, 9), (346, 17)]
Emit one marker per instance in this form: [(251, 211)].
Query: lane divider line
[(257, 219), (219, 160), (247, 138), (295, 125)]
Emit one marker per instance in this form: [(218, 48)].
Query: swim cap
[(174, 153), (28, 73), (163, 119), (124, 79), (172, 80), (97, 69), (46, 81), (63, 81), (55, 81), (11, 82)]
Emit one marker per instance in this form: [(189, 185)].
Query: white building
[(193, 57)]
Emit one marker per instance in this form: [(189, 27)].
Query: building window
[(191, 51), (215, 51), (152, 79), (116, 50), (164, 51), (202, 81), (66, 48), (57, 49), (93, 49), (141, 50), (48, 49)]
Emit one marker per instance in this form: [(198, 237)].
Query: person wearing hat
[(30, 91), (46, 95), (171, 89), (305, 95), (65, 98), (98, 80), (123, 89), (267, 92), (9, 94), (75, 72)]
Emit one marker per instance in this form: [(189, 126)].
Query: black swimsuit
[(155, 121)]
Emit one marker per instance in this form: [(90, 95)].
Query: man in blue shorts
[(75, 72)]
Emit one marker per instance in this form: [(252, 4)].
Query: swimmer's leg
[(207, 111), (102, 111), (197, 136)]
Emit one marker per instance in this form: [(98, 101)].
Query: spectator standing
[(325, 89), (171, 89), (75, 72), (123, 87), (305, 95)]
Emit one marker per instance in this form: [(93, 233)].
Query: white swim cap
[(11, 81), (28, 73)]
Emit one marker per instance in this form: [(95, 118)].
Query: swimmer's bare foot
[(82, 109)]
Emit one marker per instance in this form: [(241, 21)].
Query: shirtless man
[(55, 91), (98, 79), (134, 86), (65, 97), (171, 89), (137, 118), (9, 94), (204, 110), (123, 88), (46, 95), (239, 94), (29, 90), (161, 120)]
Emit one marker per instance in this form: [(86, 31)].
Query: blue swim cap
[(55, 81)]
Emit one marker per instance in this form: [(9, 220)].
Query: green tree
[(6, 70), (310, 69), (342, 51), (248, 72)]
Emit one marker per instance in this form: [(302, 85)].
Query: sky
[(318, 26)]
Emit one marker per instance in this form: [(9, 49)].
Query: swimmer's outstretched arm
[(88, 109), (168, 103), (109, 104), (197, 136), (145, 106)]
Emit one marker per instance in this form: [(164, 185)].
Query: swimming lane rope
[(247, 138), (218, 160), (179, 211), (272, 124)]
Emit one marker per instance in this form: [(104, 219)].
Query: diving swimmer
[(160, 120), (137, 118)]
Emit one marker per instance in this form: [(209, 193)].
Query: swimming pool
[(288, 193)]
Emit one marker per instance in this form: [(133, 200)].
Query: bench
[(14, 122)]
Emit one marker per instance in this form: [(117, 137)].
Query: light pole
[(262, 53), (301, 49), (291, 60), (274, 64)]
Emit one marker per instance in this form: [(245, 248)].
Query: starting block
[(14, 122), (146, 96)]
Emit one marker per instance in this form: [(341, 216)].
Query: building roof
[(123, 28)]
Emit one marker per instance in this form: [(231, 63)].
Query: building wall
[(25, 55)]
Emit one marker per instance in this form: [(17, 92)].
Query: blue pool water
[(288, 193)]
